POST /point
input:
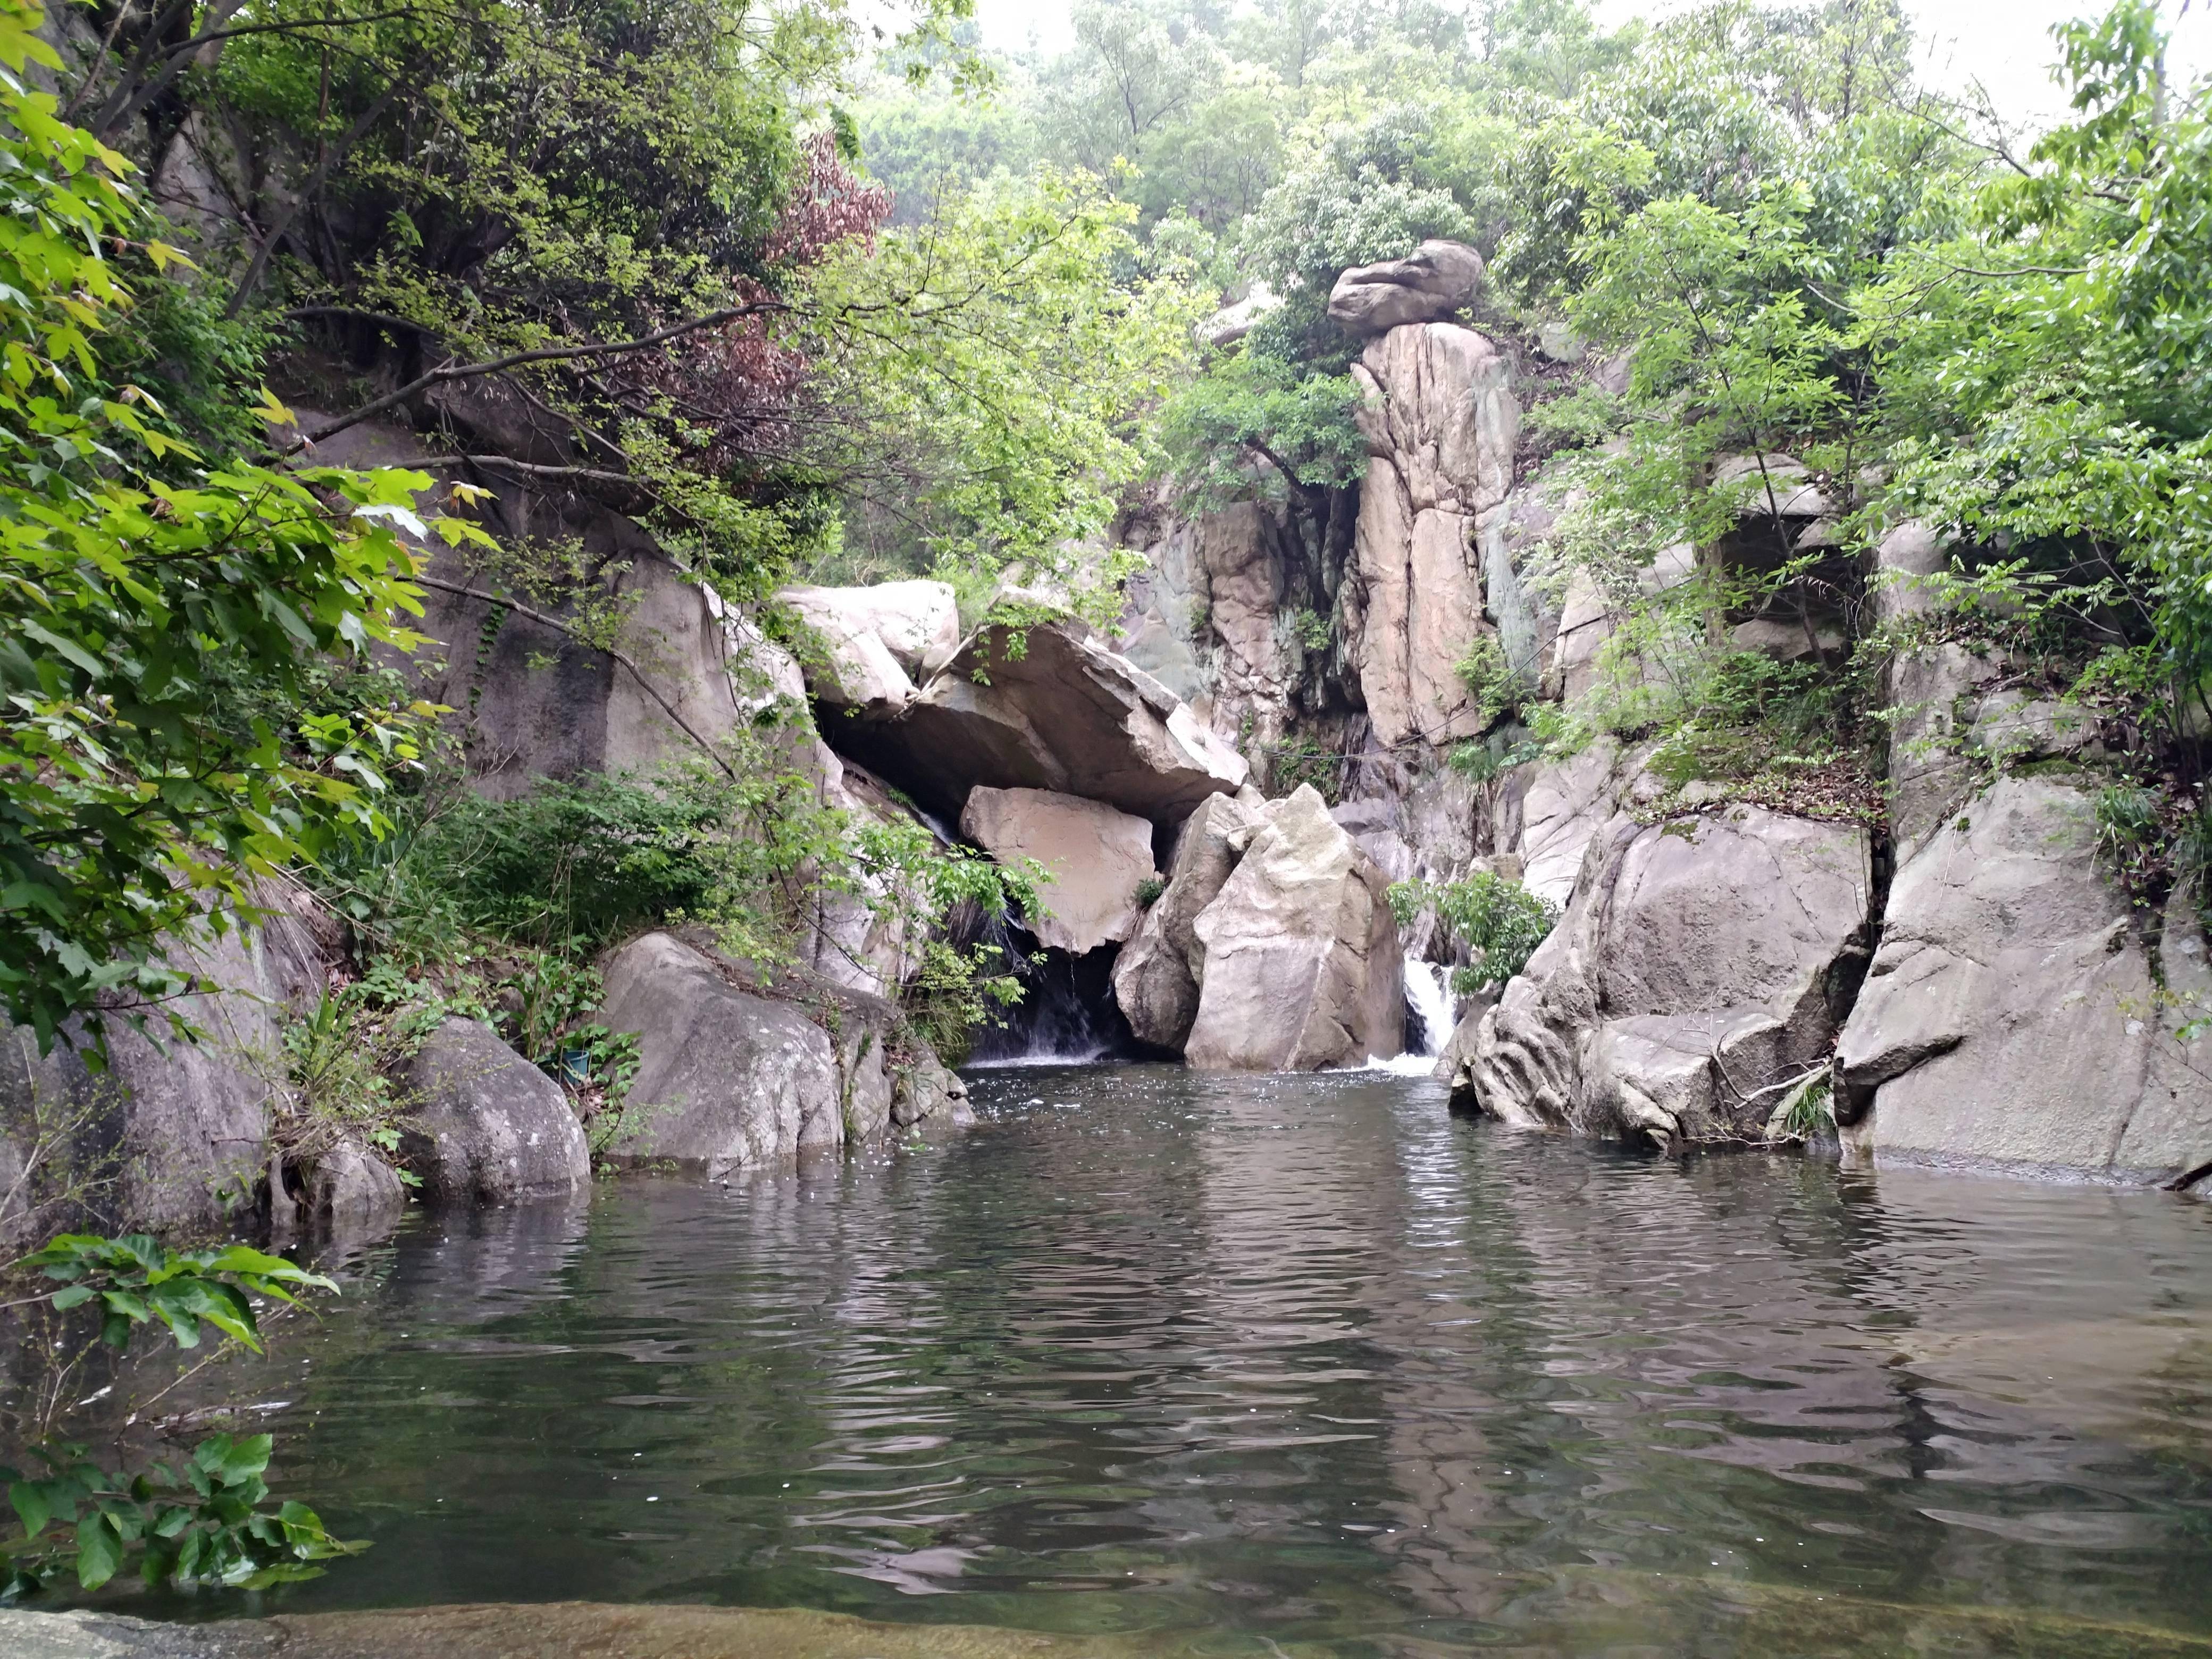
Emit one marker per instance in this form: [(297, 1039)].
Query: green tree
[(140, 795)]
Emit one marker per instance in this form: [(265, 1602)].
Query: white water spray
[(1428, 987)]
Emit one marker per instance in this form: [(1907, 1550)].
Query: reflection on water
[(1235, 1366)]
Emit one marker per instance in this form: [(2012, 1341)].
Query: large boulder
[(1701, 963), (533, 702), (917, 623), (1047, 706), (1302, 969), (1094, 858), (1156, 977), (485, 1126), (2012, 1019), (1563, 806), (172, 1136), (1441, 423), (870, 645), (1437, 280), (730, 1079)]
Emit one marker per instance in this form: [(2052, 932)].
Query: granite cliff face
[(1961, 973)]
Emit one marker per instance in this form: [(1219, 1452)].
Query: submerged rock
[(1701, 963), (2011, 1019), (1435, 281), (485, 1126), (1096, 857), (1156, 977), (728, 1080), (1301, 969)]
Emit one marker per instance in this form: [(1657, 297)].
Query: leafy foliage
[(205, 1520), (141, 795), (136, 1279), (1498, 920)]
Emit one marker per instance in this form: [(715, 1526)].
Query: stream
[(1174, 1363)]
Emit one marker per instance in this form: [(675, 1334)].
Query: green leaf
[(29, 1499), (99, 1551)]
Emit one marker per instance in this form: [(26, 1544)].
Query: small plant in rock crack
[(1808, 1110), (203, 1520), (1148, 892)]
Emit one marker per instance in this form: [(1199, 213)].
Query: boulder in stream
[(730, 1079), (1156, 977), (1701, 963), (2013, 1020), (1096, 858), (1302, 969), (486, 1126)]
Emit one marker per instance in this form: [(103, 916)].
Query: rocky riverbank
[(1220, 791)]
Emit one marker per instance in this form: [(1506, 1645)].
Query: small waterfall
[(1067, 1014), (1428, 993), (1428, 1019)]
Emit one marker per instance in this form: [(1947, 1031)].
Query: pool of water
[(1298, 1365)]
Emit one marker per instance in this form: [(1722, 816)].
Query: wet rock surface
[(1301, 969), (487, 1127), (1701, 963)]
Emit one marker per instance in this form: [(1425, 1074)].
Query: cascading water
[(1428, 990), (1067, 1014), (1429, 1018)]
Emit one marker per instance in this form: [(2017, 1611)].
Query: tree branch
[(523, 359)]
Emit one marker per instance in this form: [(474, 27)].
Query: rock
[(485, 1126), (1156, 974), (1565, 805), (1301, 969), (1700, 963), (725, 1080), (351, 1191), (1233, 322), (856, 672), (1455, 1060), (2010, 1020), (870, 645), (539, 704), (1434, 282), (1047, 706), (730, 1079), (1559, 342), (1772, 486), (172, 1137), (1588, 618), (917, 623), (1441, 423), (1786, 641), (1904, 560), (1096, 857), (925, 1092)]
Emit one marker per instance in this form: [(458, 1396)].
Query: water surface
[(1288, 1365)]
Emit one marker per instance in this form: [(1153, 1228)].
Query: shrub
[(1499, 921)]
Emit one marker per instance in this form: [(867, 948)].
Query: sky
[(2005, 44)]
